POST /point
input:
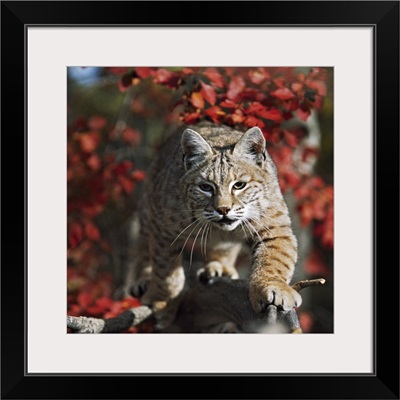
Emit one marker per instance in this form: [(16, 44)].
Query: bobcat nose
[(223, 210)]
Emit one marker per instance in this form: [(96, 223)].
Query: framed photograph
[(89, 90)]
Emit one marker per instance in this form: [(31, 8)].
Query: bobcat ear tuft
[(194, 148), (251, 145)]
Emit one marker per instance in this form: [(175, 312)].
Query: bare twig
[(311, 282)]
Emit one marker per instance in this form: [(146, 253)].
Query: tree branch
[(221, 305)]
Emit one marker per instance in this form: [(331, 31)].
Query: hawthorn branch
[(204, 307)]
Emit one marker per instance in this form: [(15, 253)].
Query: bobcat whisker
[(206, 232), (187, 209), (202, 243), (183, 220), (209, 232), (262, 226), (194, 242), (242, 226), (255, 231), (190, 234), (246, 225), (183, 231)]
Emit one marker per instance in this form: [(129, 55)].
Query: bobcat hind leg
[(138, 275)]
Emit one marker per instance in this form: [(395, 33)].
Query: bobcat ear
[(251, 146), (194, 148)]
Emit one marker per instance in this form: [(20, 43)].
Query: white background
[(50, 51)]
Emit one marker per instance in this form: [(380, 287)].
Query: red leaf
[(292, 179), (208, 93), (258, 75), (130, 302), (214, 113), (104, 303), (122, 167), (89, 141), (97, 122), (126, 184), (188, 71), (283, 94), (143, 72), (166, 77), (228, 104), (301, 191), (91, 231), (301, 76), (303, 114), (163, 75), (75, 234), (84, 299), (272, 114), (215, 77), (306, 214), (327, 237), (255, 108), (319, 209), (197, 100), (309, 152), (253, 121), (291, 139), (94, 311), (191, 118), (237, 117), (236, 86), (94, 162), (131, 136), (92, 210), (315, 265), (317, 182), (296, 86), (318, 85), (279, 81), (306, 321), (138, 175)]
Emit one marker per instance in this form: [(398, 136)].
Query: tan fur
[(196, 182)]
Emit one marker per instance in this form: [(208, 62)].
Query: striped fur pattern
[(218, 187)]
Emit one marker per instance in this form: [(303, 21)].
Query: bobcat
[(212, 178)]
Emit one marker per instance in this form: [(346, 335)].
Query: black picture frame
[(383, 383)]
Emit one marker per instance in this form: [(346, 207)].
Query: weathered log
[(220, 305)]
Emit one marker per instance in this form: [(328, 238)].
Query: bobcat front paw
[(215, 269), (277, 293)]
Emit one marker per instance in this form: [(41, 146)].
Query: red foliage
[(283, 94), (197, 100), (95, 183), (208, 93), (263, 97), (306, 320)]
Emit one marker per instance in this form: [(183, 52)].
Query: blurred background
[(117, 116)]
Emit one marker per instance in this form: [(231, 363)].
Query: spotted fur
[(214, 181)]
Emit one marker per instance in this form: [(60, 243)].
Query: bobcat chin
[(214, 181)]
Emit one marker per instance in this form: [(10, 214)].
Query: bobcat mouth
[(227, 224), (226, 221)]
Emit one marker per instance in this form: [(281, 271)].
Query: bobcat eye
[(206, 188), (239, 185)]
